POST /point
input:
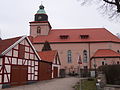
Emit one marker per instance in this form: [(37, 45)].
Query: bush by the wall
[(112, 73)]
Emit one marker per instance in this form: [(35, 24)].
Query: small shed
[(53, 57), (18, 62)]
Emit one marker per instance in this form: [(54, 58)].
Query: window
[(85, 56), (69, 56), (85, 67), (64, 36), (118, 51), (84, 36), (38, 30), (103, 63), (118, 62), (21, 53)]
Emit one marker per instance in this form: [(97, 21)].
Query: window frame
[(38, 30), (85, 56), (69, 56)]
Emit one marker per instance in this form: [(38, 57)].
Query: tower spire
[(41, 14), (41, 10)]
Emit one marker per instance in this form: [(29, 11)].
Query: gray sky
[(15, 16)]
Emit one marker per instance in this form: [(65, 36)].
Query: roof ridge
[(79, 29), (11, 46)]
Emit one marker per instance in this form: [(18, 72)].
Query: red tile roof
[(94, 35), (102, 53), (48, 56), (4, 44)]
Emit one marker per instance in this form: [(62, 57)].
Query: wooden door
[(45, 71), (18, 75), (55, 72)]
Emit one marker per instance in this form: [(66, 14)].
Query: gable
[(23, 50), (4, 44), (50, 56), (57, 60)]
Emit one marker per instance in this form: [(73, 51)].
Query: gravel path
[(55, 84)]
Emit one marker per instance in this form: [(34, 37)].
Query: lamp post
[(80, 62), (95, 70), (98, 84)]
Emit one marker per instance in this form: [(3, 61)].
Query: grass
[(86, 85)]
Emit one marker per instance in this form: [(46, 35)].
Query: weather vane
[(41, 2)]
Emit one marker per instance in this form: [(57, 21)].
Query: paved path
[(55, 84)]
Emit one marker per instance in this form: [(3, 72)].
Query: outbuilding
[(53, 57), (104, 57)]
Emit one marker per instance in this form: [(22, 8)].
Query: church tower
[(40, 25)]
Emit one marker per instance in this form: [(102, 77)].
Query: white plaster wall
[(15, 53), (16, 47), (0, 79), (5, 78), (27, 49), (27, 55), (0, 86), (8, 68), (26, 43), (9, 53)]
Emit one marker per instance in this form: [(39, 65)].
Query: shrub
[(112, 73)]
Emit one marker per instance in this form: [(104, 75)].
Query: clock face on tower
[(41, 17)]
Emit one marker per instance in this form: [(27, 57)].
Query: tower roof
[(41, 10)]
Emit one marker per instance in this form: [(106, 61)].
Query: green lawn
[(86, 85)]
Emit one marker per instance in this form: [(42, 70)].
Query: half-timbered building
[(18, 62)]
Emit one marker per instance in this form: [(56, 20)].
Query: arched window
[(118, 51), (118, 62), (103, 63), (69, 56), (38, 30), (85, 56)]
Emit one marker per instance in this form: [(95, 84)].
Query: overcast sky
[(15, 16)]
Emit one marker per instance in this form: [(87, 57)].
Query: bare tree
[(110, 8)]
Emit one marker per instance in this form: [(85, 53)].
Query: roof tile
[(48, 56), (95, 35), (4, 44), (105, 53)]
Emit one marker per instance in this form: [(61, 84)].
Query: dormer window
[(84, 36), (64, 36)]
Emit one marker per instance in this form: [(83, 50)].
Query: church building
[(76, 45)]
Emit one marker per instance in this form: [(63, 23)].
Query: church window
[(69, 56), (38, 30), (118, 62), (118, 51), (103, 63), (85, 56)]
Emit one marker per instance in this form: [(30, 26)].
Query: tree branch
[(110, 2)]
